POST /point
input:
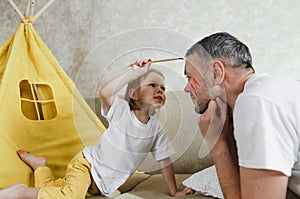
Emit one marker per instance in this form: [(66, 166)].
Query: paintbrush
[(163, 60)]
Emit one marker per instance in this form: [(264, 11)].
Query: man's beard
[(200, 109)]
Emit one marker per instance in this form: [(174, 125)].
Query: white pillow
[(206, 182)]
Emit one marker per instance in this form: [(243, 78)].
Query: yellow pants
[(75, 184)]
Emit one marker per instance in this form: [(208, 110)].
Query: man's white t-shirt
[(267, 126), (124, 146)]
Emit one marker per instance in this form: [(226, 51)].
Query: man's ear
[(132, 94), (219, 72)]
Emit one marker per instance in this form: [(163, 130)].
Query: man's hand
[(214, 126), (213, 123)]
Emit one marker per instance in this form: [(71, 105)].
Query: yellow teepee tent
[(40, 108)]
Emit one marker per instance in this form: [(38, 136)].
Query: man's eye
[(163, 88), (152, 84)]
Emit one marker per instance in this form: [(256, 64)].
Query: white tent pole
[(27, 9), (43, 9), (31, 10), (16, 9)]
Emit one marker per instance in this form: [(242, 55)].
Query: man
[(262, 112)]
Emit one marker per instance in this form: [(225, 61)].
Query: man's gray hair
[(224, 47)]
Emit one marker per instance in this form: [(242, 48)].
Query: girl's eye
[(153, 85)]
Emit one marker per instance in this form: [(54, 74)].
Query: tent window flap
[(37, 101)]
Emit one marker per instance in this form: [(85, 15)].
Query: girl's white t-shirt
[(267, 126), (124, 146)]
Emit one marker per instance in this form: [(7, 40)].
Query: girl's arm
[(109, 89), (167, 170)]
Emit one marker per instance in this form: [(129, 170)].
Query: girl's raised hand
[(141, 66)]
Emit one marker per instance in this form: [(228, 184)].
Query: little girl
[(131, 135)]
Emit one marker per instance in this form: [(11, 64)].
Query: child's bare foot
[(33, 161), (12, 192)]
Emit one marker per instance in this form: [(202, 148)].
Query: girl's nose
[(160, 90)]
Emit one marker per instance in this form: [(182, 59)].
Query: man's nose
[(187, 88)]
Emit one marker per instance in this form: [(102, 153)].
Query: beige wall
[(96, 38)]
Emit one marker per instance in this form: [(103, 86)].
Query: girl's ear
[(132, 94), (219, 72)]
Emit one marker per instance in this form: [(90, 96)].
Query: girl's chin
[(158, 105)]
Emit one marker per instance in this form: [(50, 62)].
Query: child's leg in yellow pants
[(74, 185)]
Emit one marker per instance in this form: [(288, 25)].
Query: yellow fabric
[(41, 110), (74, 185)]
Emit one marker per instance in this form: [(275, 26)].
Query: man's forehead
[(189, 68), (194, 65)]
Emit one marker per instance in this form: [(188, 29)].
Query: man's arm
[(217, 130), (262, 183), (227, 170)]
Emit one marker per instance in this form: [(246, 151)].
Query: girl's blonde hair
[(135, 84)]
